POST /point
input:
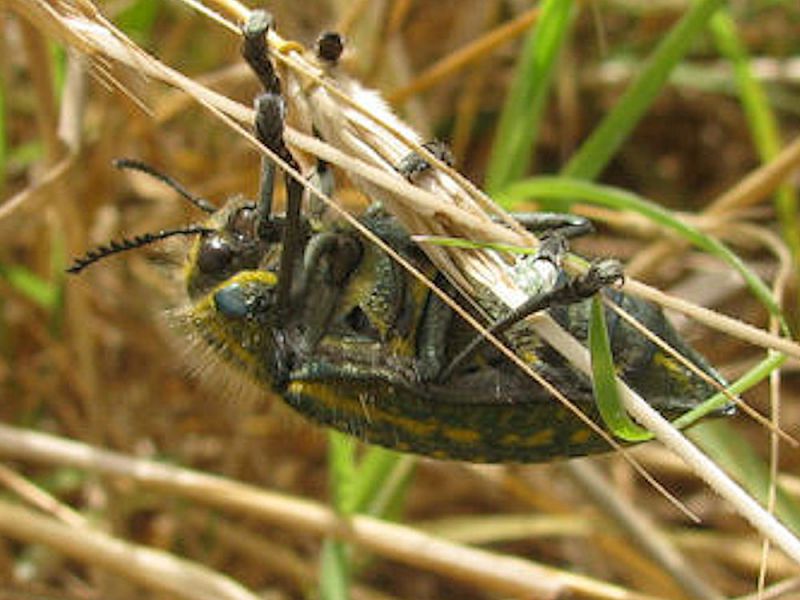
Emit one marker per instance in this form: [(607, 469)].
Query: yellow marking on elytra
[(344, 402), (540, 438), (510, 439), (530, 357), (535, 440), (671, 365), (402, 347), (580, 437), (461, 435), (324, 393), (418, 429)]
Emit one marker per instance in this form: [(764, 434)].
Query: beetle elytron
[(352, 341)]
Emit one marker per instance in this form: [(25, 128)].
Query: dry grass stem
[(502, 574), (88, 361)]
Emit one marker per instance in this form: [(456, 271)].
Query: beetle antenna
[(136, 165), (125, 244)]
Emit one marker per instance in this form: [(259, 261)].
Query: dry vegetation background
[(91, 359)]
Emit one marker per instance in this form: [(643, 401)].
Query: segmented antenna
[(125, 244), (136, 165)]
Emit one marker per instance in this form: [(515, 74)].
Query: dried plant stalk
[(355, 123)]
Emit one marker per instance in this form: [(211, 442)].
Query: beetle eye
[(243, 223), (231, 301), (215, 255)]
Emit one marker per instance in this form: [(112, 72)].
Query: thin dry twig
[(502, 574), (474, 52), (158, 570), (642, 530), (480, 267), (425, 199), (39, 498)]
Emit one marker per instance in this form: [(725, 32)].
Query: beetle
[(315, 312)]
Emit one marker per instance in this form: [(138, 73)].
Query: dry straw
[(361, 136)]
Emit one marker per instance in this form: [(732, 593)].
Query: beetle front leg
[(270, 119)]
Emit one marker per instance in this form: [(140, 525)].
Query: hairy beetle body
[(311, 309), (366, 343)]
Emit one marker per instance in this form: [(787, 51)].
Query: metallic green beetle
[(350, 340)]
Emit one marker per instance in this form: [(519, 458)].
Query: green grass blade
[(25, 154), (760, 119), (138, 19), (728, 449), (375, 485), (3, 137), (754, 101), (522, 114), (334, 571), (735, 454), (593, 156), (451, 242), (341, 470), (335, 559), (747, 381), (381, 481), (58, 61), (604, 380), (33, 287)]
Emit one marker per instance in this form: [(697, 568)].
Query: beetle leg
[(323, 180), (414, 164), (568, 226), (547, 223), (432, 337), (565, 290), (328, 261), (255, 50), (270, 115)]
